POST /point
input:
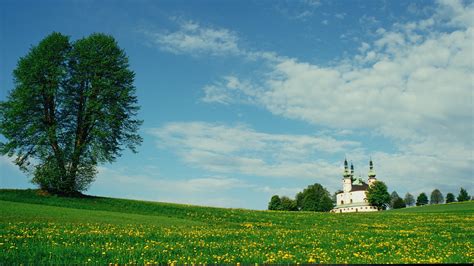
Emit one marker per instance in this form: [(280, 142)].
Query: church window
[(351, 200)]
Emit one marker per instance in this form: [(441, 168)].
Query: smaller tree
[(463, 196), (393, 197), (399, 203), (436, 197), (275, 203), (422, 199), (409, 199), (450, 198), (288, 204), (378, 196)]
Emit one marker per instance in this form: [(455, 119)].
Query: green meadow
[(37, 228)]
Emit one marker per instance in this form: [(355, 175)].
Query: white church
[(353, 197)]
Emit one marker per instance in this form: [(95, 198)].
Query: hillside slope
[(36, 229)]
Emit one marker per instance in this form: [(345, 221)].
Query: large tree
[(422, 199), (73, 106), (378, 196), (314, 198), (463, 195), (436, 197), (409, 199)]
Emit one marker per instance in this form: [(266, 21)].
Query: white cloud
[(157, 183), (297, 10), (403, 85), (413, 85), (340, 15), (240, 150), (204, 191), (192, 38)]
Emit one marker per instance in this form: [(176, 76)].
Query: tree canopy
[(409, 199), (378, 196), (399, 203), (393, 197), (288, 204), (275, 203), (450, 198), (463, 195), (422, 199), (436, 197), (314, 198), (73, 106)]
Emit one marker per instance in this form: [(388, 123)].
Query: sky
[(242, 100)]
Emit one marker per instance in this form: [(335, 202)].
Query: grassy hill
[(38, 228)]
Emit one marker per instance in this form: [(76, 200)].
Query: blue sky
[(245, 99)]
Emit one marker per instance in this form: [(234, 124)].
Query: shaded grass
[(457, 207)]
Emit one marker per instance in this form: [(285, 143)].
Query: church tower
[(352, 172), (347, 177), (372, 178)]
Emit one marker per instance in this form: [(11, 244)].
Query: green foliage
[(422, 199), (436, 197), (399, 203), (463, 195), (450, 198), (393, 197), (288, 204), (73, 107), (409, 199), (275, 203), (314, 198), (282, 204), (95, 230), (378, 196)]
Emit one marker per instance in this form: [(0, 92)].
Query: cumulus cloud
[(206, 191), (241, 150), (403, 85), (193, 38), (412, 85)]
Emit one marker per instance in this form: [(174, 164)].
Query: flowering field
[(39, 229)]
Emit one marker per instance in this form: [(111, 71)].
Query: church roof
[(364, 186)]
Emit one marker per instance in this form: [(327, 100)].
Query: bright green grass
[(47, 229), (457, 207)]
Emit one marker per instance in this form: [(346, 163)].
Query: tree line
[(317, 198), (436, 197), (313, 198)]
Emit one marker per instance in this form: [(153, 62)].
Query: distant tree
[(314, 198), (399, 203), (288, 204), (275, 203), (422, 199), (450, 198), (378, 196), (463, 196), (409, 199), (436, 197), (393, 197)]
